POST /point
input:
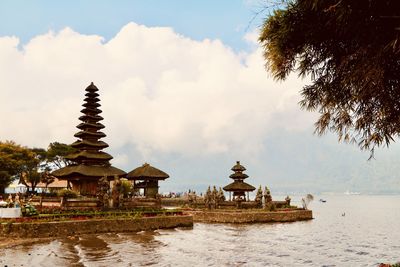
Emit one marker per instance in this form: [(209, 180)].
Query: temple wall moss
[(251, 216), (69, 228)]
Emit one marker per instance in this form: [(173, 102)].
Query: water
[(368, 234)]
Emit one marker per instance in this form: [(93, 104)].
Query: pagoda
[(89, 162), (238, 187)]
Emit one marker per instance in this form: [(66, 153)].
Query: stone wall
[(142, 203), (68, 228), (174, 202), (251, 216)]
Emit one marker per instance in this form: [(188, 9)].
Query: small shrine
[(89, 162), (146, 177), (238, 187)]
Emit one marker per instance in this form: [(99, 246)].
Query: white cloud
[(159, 91)]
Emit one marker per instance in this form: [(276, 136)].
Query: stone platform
[(91, 226), (238, 216)]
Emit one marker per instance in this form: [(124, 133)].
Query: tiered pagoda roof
[(89, 160), (238, 186)]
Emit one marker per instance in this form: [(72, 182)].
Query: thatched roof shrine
[(146, 177)]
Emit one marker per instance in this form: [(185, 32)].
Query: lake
[(367, 234)]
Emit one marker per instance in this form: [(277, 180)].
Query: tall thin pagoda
[(89, 162), (239, 187)]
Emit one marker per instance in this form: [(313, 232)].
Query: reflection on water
[(366, 235)]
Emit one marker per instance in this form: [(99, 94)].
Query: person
[(10, 201), (3, 204), (17, 203)]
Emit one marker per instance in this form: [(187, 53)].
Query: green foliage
[(47, 178), (126, 187), (351, 51), (14, 161), (259, 196), (5, 180), (30, 165), (56, 153), (28, 210), (67, 193)]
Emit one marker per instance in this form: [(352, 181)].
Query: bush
[(49, 194), (126, 187), (66, 193)]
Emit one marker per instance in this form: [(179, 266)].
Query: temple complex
[(238, 187), (89, 162), (146, 177)]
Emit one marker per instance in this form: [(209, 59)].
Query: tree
[(31, 165), (46, 177), (14, 160), (33, 168), (55, 158), (351, 51), (5, 180), (56, 153)]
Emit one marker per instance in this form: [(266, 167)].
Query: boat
[(322, 200)]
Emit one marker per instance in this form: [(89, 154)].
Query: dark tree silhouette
[(351, 51)]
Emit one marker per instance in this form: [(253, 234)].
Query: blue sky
[(192, 100), (228, 20)]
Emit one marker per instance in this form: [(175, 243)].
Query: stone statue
[(267, 195), (103, 188), (116, 191), (259, 197), (221, 195), (269, 205), (214, 198), (192, 198), (207, 198), (106, 200), (288, 199)]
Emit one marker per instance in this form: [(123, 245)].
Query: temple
[(89, 162), (238, 187), (146, 177)]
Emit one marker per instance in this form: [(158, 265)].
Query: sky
[(182, 87)]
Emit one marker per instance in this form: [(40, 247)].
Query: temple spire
[(90, 162), (238, 187)]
